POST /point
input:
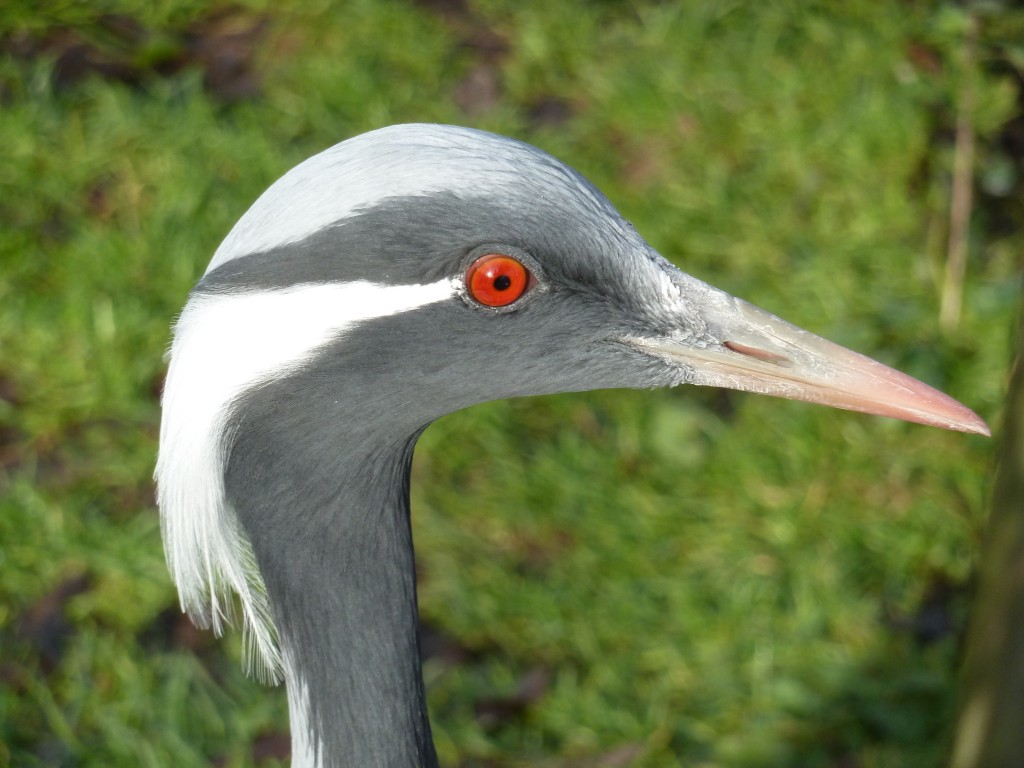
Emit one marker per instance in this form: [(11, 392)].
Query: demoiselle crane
[(394, 278)]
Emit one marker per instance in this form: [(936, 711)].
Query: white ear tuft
[(225, 344)]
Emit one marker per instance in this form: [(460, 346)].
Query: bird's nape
[(392, 279)]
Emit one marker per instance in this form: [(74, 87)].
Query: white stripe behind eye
[(223, 345)]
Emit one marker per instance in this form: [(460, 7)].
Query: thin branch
[(963, 187)]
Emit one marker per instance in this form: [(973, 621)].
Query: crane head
[(419, 269)]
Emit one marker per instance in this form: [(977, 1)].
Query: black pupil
[(502, 282)]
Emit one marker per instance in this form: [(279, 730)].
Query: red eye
[(496, 280)]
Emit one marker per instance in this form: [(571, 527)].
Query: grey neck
[(333, 542)]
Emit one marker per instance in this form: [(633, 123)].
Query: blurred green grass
[(697, 578)]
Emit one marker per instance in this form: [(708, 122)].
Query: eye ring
[(497, 280)]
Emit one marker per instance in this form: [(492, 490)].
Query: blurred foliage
[(692, 576)]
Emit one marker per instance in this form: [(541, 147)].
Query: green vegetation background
[(617, 578)]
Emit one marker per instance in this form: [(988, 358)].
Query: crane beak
[(743, 347)]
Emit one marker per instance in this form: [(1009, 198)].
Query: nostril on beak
[(757, 354)]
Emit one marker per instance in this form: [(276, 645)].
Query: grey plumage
[(335, 325)]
